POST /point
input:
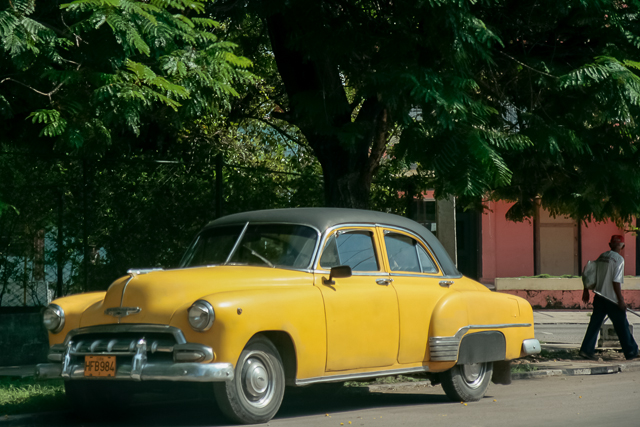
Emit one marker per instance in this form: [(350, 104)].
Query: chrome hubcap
[(473, 374), (256, 380)]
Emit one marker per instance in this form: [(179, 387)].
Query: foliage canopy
[(523, 101), (89, 72), (534, 102)]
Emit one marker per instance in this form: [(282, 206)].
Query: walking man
[(608, 301)]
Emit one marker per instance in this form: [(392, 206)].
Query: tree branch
[(47, 94), (280, 131), (525, 65)]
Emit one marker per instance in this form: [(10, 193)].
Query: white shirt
[(610, 268)]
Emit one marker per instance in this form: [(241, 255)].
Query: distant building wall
[(507, 246), (595, 240)]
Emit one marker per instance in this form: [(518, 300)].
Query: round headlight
[(53, 318), (201, 315)]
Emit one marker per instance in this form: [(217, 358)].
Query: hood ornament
[(120, 312)]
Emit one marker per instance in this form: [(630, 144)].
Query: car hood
[(158, 294)]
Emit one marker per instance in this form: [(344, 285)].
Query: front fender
[(239, 315), (74, 307)]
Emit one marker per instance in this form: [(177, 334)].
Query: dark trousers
[(603, 307)]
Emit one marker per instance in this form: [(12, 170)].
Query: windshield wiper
[(257, 255)]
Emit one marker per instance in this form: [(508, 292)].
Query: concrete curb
[(590, 370)]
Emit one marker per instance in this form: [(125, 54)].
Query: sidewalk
[(572, 317), (540, 369)]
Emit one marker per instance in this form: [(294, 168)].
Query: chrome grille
[(155, 343), (118, 346)]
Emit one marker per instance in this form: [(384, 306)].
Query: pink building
[(490, 249), (554, 246)]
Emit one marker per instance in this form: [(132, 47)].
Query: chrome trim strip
[(117, 328), (420, 275), (124, 288), (187, 372), (356, 273), (141, 271), (235, 246), (362, 375), (464, 329)]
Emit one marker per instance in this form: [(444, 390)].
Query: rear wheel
[(255, 394), (467, 383)]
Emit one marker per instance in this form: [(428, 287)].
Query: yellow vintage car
[(290, 297)]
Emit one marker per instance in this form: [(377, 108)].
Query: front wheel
[(467, 383), (255, 394)]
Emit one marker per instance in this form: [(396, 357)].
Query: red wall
[(507, 246), (595, 238)]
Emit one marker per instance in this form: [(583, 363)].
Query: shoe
[(635, 356), (585, 355)]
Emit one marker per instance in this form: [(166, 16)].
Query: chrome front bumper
[(188, 372), (190, 360)]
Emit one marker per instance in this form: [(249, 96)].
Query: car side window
[(426, 262), (352, 248), (406, 254), (401, 253)]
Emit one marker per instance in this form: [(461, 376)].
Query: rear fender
[(509, 320)]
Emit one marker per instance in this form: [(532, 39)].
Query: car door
[(361, 310), (419, 284)]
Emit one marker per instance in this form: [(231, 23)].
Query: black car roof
[(324, 218)]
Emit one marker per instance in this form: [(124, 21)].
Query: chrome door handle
[(446, 283), (385, 282)]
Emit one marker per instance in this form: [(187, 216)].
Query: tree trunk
[(318, 105), (345, 184)]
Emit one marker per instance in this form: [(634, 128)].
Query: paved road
[(555, 401)]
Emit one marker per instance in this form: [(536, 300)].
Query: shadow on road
[(165, 411)]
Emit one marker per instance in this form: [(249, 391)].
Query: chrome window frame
[(329, 231), (430, 252)]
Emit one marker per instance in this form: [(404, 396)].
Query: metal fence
[(71, 224)]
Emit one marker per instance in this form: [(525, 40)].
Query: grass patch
[(523, 367), (26, 395)]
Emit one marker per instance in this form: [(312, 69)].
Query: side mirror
[(337, 272)]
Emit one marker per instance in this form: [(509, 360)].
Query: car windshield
[(272, 245)]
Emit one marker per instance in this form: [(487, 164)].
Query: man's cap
[(616, 238)]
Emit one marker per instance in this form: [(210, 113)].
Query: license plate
[(99, 366)]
